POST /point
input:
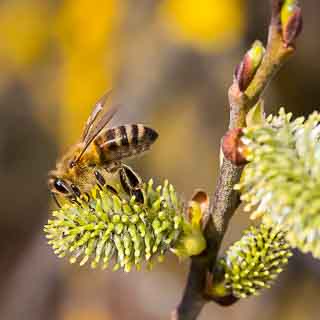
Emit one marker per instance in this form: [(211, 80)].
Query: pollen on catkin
[(281, 183), (109, 228), (255, 261)]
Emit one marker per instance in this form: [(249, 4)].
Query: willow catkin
[(281, 182), (114, 228), (255, 261)]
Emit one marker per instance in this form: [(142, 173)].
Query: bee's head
[(59, 186)]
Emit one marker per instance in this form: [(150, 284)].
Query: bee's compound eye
[(60, 186)]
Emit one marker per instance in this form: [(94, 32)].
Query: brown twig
[(226, 200)]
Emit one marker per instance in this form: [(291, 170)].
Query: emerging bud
[(291, 21), (198, 208), (233, 148), (249, 65), (192, 242), (256, 116), (216, 288)]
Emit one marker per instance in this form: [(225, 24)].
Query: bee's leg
[(131, 183), (112, 190), (72, 199), (76, 194), (102, 182), (125, 181), (76, 191), (100, 179), (55, 199), (138, 195)]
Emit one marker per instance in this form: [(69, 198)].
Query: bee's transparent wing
[(95, 130), (98, 108)]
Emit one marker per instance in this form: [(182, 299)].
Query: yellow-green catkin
[(281, 182), (116, 229), (254, 262)]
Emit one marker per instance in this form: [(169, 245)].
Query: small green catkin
[(281, 182), (254, 262), (116, 229)]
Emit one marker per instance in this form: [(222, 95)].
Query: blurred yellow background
[(170, 63)]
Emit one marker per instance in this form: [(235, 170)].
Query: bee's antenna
[(55, 199)]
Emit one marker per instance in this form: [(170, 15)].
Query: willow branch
[(226, 200)]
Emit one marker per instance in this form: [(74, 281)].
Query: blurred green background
[(171, 62)]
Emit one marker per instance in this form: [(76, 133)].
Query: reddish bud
[(242, 76), (233, 148), (291, 21), (293, 28), (247, 68), (202, 199)]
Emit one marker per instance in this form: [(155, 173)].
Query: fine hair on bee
[(97, 158)]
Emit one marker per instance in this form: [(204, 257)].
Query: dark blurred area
[(171, 62)]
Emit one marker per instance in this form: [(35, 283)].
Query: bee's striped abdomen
[(125, 141)]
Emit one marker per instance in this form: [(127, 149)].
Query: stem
[(226, 200)]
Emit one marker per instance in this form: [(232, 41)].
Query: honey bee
[(96, 159)]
